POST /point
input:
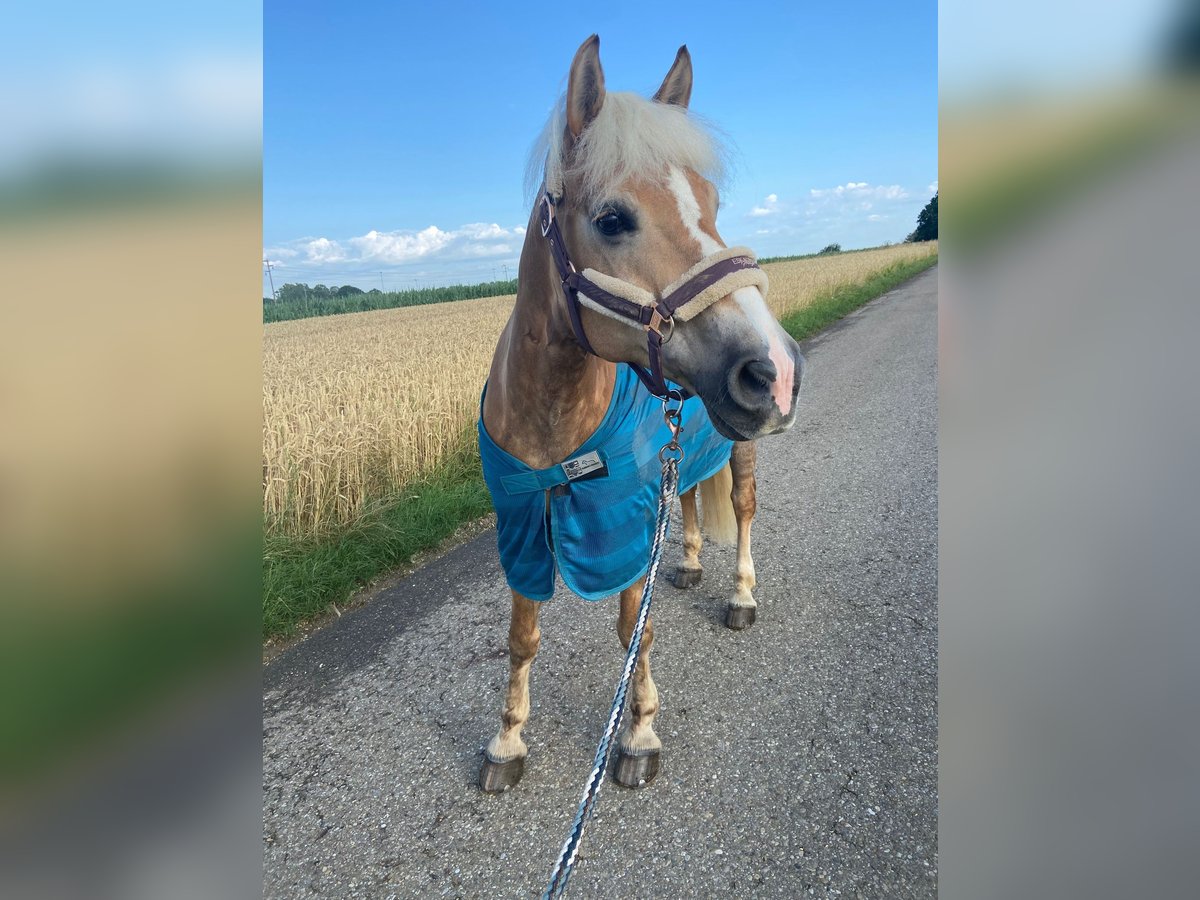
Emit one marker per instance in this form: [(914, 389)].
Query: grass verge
[(301, 578), (828, 308)]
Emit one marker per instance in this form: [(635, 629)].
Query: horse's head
[(635, 202)]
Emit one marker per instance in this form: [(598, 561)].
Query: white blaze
[(689, 211), (750, 299)]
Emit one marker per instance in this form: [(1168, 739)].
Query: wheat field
[(357, 406)]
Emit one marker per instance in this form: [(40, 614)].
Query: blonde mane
[(630, 137)]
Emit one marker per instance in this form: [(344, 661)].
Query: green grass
[(302, 578), (830, 307)]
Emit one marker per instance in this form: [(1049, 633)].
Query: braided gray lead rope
[(670, 455)]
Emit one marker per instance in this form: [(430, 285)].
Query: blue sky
[(395, 135)]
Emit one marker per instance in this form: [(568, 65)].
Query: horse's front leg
[(743, 608), (638, 750), (504, 759)]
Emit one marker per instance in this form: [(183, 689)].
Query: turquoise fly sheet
[(598, 528)]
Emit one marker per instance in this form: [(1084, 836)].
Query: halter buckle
[(656, 323), (549, 215)]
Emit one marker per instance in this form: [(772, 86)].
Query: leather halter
[(657, 319)]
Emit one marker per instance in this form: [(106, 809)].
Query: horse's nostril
[(757, 376), (753, 380)]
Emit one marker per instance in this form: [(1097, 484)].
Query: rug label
[(590, 464)]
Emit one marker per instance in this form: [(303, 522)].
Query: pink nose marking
[(781, 388)]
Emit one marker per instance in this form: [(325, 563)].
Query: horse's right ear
[(585, 87)]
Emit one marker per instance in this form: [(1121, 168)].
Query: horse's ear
[(677, 86), (585, 87)]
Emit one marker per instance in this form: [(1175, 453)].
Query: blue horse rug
[(603, 500)]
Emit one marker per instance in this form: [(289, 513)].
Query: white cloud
[(399, 246), (471, 241), (876, 217), (479, 231), (769, 206), (323, 250), (933, 187), (860, 190), (486, 249)]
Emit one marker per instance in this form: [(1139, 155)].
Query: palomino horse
[(627, 190)]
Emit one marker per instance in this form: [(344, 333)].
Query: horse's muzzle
[(751, 398)]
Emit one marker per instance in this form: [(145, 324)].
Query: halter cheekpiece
[(717, 275)]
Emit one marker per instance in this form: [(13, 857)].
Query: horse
[(626, 212)]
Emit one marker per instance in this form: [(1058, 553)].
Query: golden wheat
[(356, 406)]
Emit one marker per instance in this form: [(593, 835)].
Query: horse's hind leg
[(742, 609), (504, 759), (689, 572), (639, 750)]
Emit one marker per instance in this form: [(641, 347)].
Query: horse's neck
[(545, 395)]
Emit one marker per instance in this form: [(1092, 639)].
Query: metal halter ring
[(657, 322), (671, 452), (673, 414)]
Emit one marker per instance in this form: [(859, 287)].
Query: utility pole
[(274, 296), (505, 271), (381, 281)]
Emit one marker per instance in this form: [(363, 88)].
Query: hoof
[(498, 777), (740, 617), (687, 578), (634, 770)]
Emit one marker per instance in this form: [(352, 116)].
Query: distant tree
[(347, 290), (926, 229), (374, 291), (831, 248), (321, 292), (292, 293)]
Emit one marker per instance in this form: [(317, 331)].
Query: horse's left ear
[(677, 86)]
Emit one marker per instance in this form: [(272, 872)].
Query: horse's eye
[(611, 223)]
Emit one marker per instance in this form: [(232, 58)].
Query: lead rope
[(670, 456)]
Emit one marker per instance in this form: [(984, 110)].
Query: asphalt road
[(799, 757)]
